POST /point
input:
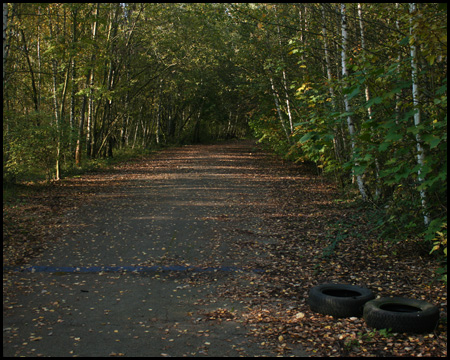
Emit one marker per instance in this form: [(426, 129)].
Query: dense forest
[(360, 90)]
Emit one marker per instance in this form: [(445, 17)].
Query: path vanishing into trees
[(139, 267), (201, 250)]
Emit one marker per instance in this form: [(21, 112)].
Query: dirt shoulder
[(221, 207)]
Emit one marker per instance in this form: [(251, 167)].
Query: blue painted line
[(135, 269)]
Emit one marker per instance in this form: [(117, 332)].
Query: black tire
[(339, 300), (401, 315)]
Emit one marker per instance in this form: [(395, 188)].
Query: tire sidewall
[(421, 321), (336, 306)]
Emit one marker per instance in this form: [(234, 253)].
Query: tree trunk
[(56, 108), (415, 94), (74, 76), (5, 48), (280, 114), (89, 127), (367, 94), (337, 137), (30, 67), (350, 125), (284, 81)]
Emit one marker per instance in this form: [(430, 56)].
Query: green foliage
[(267, 131), (29, 150), (315, 133), (369, 336), (384, 150), (440, 246), (159, 74)]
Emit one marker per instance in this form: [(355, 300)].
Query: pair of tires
[(398, 314)]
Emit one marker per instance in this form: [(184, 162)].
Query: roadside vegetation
[(356, 92)]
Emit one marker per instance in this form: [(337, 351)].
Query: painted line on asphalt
[(134, 269)]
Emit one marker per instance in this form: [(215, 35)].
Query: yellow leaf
[(299, 315)]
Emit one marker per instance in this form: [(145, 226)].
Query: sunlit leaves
[(193, 72)]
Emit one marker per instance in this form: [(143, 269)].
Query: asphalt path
[(139, 266)]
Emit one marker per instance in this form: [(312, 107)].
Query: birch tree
[(415, 95), (336, 138), (351, 127), (5, 26), (367, 96), (279, 111)]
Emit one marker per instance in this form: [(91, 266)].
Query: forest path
[(139, 269)]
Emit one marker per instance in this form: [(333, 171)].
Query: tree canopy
[(358, 89)]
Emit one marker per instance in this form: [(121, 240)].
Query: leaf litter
[(293, 227)]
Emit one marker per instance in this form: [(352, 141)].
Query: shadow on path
[(138, 268)]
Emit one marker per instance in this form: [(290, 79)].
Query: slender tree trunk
[(284, 81), (280, 114), (415, 94), (58, 124), (6, 140), (363, 46), (39, 60), (399, 60), (125, 119), (158, 124), (337, 138), (350, 125), (89, 127), (5, 48), (74, 76), (158, 116), (80, 133), (367, 94), (56, 107), (30, 67), (90, 117)]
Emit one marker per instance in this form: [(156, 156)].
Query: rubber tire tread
[(424, 321), (339, 307)]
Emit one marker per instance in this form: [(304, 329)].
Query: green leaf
[(354, 93), (431, 140), (392, 136), (359, 170), (307, 137), (404, 41), (376, 100), (345, 114), (431, 58), (412, 129), (383, 146)]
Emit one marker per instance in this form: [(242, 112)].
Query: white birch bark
[(415, 95), (5, 51), (350, 125), (337, 147), (367, 94), (90, 121), (288, 105), (399, 60), (280, 114), (55, 104)]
